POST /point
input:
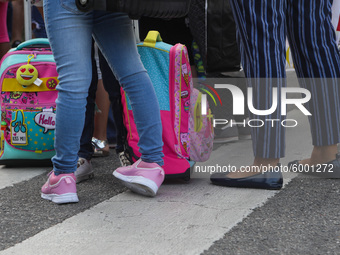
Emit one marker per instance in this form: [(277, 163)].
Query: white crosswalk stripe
[(181, 219)]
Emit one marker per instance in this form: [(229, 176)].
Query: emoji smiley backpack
[(28, 80)]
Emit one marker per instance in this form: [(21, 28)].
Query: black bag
[(165, 9), (213, 27), (222, 51)]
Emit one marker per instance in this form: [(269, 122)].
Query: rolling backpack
[(169, 69), (28, 80)]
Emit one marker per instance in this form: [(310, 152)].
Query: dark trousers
[(86, 149), (112, 87), (262, 28)]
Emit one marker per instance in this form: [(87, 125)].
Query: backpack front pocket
[(30, 129)]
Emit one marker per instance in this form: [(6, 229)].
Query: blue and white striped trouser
[(262, 28)]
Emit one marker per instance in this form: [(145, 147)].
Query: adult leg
[(261, 36), (317, 60)]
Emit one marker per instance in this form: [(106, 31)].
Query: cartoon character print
[(6, 99), (18, 123), (185, 141), (31, 97), (15, 95), (184, 94), (21, 98), (182, 100), (185, 74), (177, 100), (187, 105), (24, 100), (3, 116), (10, 74), (7, 117)]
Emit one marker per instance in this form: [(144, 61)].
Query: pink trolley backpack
[(169, 69), (28, 79)]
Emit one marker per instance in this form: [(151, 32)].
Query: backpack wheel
[(186, 178)]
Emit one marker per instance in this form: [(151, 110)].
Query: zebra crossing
[(184, 218)]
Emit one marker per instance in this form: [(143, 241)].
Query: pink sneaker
[(141, 177), (60, 189)]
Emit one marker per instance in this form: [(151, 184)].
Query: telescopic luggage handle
[(151, 38), (38, 42)]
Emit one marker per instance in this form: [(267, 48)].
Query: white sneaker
[(84, 170), (123, 159)]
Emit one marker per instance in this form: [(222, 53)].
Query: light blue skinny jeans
[(70, 32)]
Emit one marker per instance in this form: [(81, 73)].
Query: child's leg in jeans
[(146, 175), (124, 59), (65, 24)]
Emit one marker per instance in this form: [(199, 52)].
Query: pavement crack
[(198, 205)]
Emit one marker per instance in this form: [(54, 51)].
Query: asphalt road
[(184, 218)]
